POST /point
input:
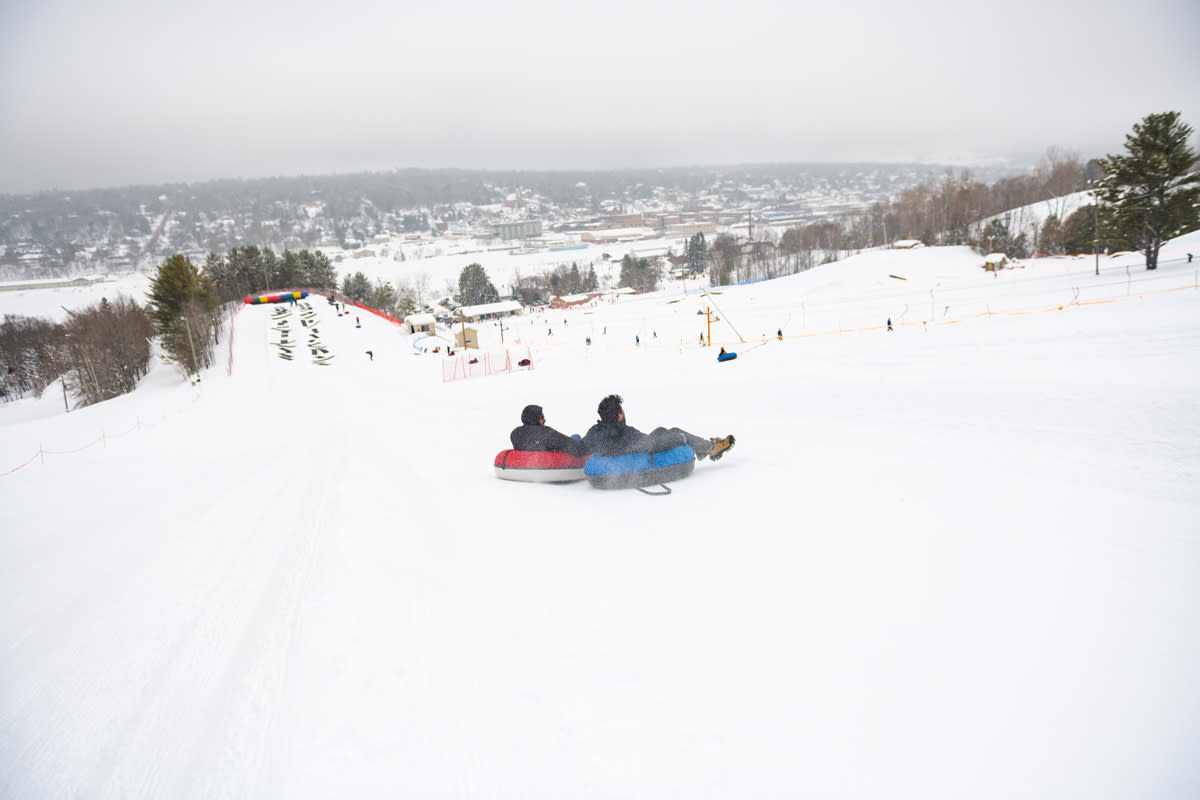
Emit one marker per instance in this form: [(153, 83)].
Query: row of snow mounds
[(281, 324)]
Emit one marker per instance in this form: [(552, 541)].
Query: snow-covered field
[(958, 559)]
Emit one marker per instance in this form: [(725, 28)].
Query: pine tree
[(357, 287), (474, 286), (183, 303), (1151, 194), (697, 254)]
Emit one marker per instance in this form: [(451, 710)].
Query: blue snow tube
[(727, 357), (635, 470)]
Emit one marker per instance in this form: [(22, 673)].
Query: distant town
[(408, 214)]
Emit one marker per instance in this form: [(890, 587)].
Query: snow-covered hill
[(958, 559)]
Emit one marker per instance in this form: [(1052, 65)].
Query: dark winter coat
[(618, 439), (544, 439)]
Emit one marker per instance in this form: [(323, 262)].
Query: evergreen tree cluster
[(252, 270), (639, 274), (561, 281)]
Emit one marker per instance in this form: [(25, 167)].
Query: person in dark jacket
[(534, 434), (611, 436)]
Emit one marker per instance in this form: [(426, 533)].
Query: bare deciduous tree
[(107, 349)]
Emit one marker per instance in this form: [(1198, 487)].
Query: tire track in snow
[(259, 680), (188, 677)]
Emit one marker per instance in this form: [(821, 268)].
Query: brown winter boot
[(720, 446)]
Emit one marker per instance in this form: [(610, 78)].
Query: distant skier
[(889, 323)]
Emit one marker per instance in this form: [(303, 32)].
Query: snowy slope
[(958, 559)]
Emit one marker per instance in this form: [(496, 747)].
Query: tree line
[(561, 281), (99, 353), (250, 270), (1141, 199)]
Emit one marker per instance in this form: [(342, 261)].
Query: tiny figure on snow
[(889, 323), (779, 334), (371, 354)]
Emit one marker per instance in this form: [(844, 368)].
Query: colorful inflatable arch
[(256, 299)]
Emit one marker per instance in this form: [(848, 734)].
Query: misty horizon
[(105, 94)]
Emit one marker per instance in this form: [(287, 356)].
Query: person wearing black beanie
[(535, 435)]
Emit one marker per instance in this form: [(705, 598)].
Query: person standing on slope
[(611, 436)]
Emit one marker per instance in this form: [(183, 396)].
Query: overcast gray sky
[(113, 92)]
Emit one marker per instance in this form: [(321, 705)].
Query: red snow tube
[(534, 467)]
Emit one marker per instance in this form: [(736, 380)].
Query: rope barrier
[(103, 438), (23, 466)]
